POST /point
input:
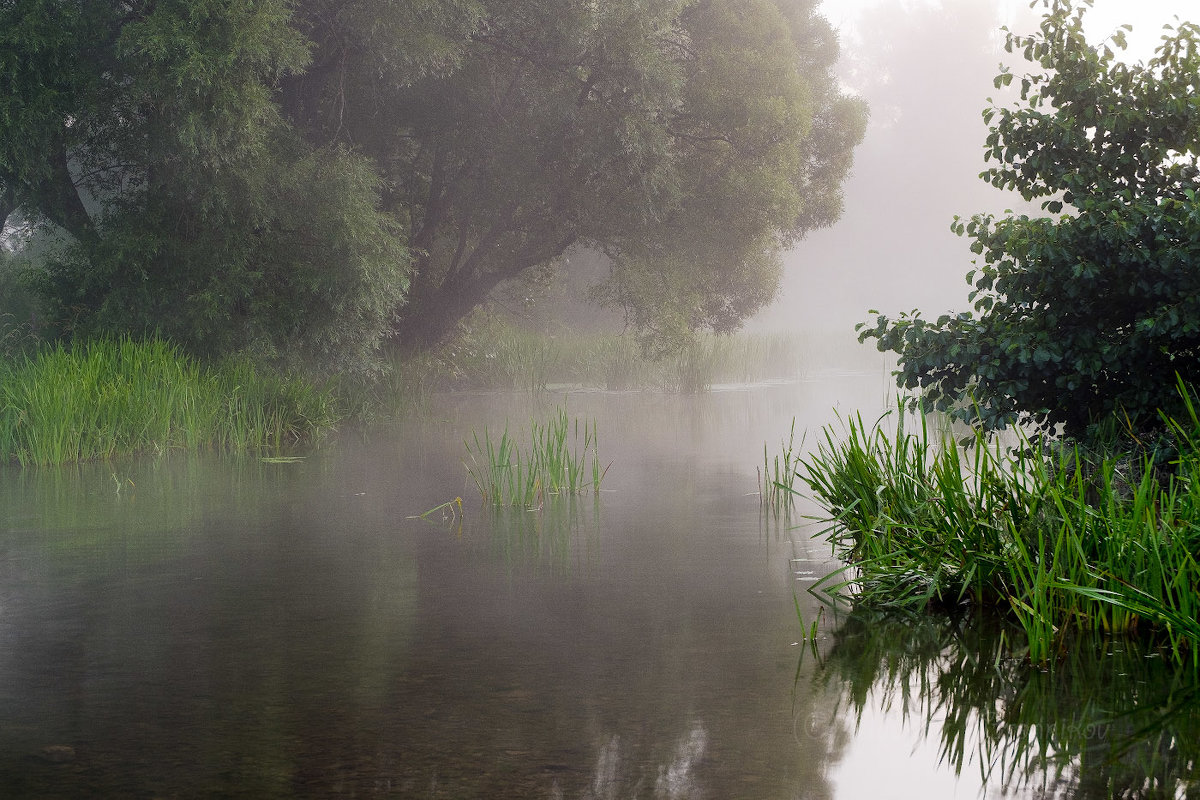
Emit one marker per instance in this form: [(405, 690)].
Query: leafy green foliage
[(1051, 541), (1094, 309), (267, 177), (274, 270), (149, 133), (622, 127)]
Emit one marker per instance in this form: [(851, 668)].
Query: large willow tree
[(308, 177), (688, 140), (145, 136)]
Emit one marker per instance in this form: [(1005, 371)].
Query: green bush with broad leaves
[(1088, 314)]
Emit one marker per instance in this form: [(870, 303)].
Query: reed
[(401, 388), (777, 478), (1053, 540), (105, 398), (612, 362), (562, 459), (497, 355)]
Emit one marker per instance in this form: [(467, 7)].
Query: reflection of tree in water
[(1109, 720)]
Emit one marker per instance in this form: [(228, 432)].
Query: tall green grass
[(1052, 540), (562, 458), (402, 388), (105, 398)]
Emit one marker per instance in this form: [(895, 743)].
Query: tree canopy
[(1092, 310), (687, 140), (147, 135), (302, 179)]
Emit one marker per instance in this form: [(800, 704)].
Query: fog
[(926, 70)]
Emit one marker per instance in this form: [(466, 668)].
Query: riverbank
[(85, 401), (1053, 540), (106, 398)]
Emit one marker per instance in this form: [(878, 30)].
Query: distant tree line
[(306, 180)]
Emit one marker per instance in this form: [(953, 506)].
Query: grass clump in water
[(1052, 540), (776, 479), (105, 398), (557, 462)]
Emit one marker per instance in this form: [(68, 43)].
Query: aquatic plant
[(694, 368), (777, 478), (449, 511), (109, 397), (557, 462), (1049, 539)]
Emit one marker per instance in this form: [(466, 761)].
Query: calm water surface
[(201, 626)]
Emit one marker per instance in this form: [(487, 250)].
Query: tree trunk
[(431, 314), (58, 199), (432, 311)]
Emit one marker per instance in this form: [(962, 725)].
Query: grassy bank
[(106, 398), (495, 354), (1054, 541)]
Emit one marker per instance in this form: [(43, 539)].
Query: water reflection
[(231, 627), (1110, 720), (677, 779), (562, 534), (238, 628)]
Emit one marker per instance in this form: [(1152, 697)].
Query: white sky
[(926, 69), (1146, 16)]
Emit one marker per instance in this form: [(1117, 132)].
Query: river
[(203, 625)]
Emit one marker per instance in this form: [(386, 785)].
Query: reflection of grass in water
[(545, 537), (557, 462), (1110, 718), (177, 564), (140, 508), (1056, 542)]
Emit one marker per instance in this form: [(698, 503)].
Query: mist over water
[(190, 625), (925, 70), (195, 626), (203, 625)]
